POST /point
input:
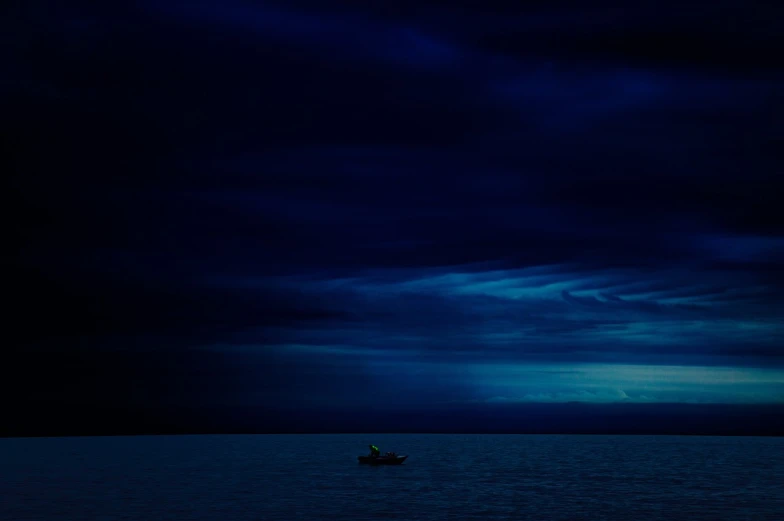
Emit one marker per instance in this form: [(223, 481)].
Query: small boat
[(382, 460)]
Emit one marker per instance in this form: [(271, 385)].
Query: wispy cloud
[(526, 316)]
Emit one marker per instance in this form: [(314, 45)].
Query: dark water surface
[(447, 477)]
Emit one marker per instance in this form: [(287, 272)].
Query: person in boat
[(374, 451)]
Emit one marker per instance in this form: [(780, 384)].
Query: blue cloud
[(347, 35), (396, 200), (525, 316)]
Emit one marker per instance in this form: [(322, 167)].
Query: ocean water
[(447, 477)]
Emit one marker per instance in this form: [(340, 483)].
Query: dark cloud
[(384, 187)]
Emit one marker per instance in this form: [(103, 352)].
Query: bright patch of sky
[(628, 383)]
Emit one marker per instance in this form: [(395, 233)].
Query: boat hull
[(381, 460)]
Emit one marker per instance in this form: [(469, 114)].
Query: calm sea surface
[(447, 477)]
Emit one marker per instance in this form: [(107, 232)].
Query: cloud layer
[(396, 200)]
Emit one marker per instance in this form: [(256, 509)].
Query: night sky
[(377, 215)]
